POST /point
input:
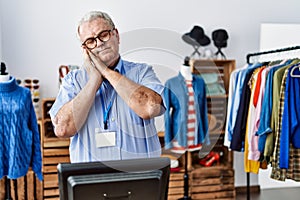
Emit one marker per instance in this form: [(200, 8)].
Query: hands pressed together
[(94, 66)]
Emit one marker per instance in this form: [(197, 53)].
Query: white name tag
[(105, 139)]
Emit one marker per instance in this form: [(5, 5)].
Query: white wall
[(38, 36)]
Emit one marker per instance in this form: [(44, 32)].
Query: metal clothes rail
[(277, 54)]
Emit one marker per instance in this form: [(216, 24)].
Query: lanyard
[(105, 112)]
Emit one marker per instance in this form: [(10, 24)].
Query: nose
[(99, 42)]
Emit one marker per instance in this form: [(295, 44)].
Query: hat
[(3, 69), (196, 37), (220, 38)]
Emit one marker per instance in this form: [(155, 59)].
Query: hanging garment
[(231, 108), (279, 173), (266, 112), (291, 117), (19, 135), (175, 117), (277, 80), (239, 129), (286, 158), (255, 106), (237, 80), (250, 165)]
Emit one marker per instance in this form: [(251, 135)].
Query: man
[(107, 108)]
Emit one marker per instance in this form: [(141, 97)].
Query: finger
[(87, 60), (86, 55), (91, 55), (96, 61)]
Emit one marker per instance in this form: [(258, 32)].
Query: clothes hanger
[(293, 73)]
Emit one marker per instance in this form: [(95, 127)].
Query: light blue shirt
[(231, 95), (135, 137), (239, 79)]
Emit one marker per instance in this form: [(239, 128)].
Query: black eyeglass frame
[(98, 36)]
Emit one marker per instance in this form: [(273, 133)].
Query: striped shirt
[(191, 124)]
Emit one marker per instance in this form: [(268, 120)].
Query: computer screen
[(133, 179)]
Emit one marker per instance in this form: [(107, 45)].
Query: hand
[(89, 66), (97, 62)]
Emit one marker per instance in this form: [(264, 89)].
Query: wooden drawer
[(56, 142), (51, 193), (55, 160), (178, 183), (50, 168), (175, 196), (175, 191), (51, 198), (50, 180), (210, 172), (56, 152), (212, 183)]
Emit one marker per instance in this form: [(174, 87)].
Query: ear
[(117, 34)]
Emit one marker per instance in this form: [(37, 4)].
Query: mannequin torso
[(185, 71), (4, 76)]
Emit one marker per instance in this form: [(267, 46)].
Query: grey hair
[(94, 15)]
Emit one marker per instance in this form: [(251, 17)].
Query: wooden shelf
[(217, 181), (54, 150)]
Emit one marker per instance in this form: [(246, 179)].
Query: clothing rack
[(276, 51), (281, 54)]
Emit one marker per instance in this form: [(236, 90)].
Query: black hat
[(220, 38), (196, 37), (3, 68)]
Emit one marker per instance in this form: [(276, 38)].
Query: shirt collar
[(118, 67)]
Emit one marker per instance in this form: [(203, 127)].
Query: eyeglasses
[(103, 36)]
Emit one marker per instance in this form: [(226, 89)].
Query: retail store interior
[(248, 150)]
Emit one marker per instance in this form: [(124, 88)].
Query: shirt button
[(112, 119)]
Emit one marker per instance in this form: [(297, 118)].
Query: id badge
[(105, 139)]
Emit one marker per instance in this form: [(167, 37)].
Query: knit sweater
[(19, 135)]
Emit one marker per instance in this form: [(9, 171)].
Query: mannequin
[(4, 76), (186, 121), (191, 145), (20, 138), (185, 70)]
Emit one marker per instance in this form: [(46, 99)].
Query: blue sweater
[(291, 118), (19, 135)]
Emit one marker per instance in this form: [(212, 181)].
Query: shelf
[(54, 150), (216, 181)]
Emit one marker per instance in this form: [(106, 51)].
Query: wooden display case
[(216, 181), (54, 150)]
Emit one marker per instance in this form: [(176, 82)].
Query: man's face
[(107, 51)]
